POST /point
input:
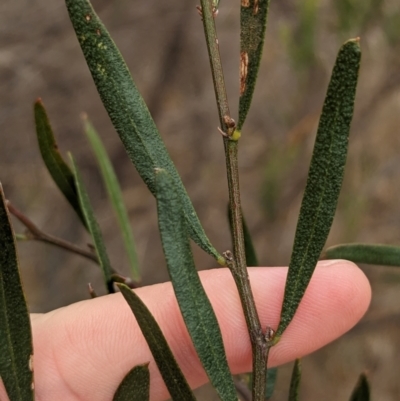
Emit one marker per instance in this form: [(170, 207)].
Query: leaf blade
[(173, 377), (250, 252), (16, 348), (361, 391), (115, 195), (135, 386), (93, 228), (324, 179), (272, 374), (376, 254), (193, 302), (56, 166), (295, 381), (253, 23), (128, 111)]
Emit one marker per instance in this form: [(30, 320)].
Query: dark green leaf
[(251, 256), (114, 192), (195, 307), (272, 374), (295, 381), (94, 229), (162, 354), (128, 111), (253, 22), (361, 392), (16, 350), (58, 169), (386, 255), (324, 179), (135, 386)]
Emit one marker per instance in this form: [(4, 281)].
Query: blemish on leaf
[(244, 64), (98, 32), (88, 17), (245, 3), (255, 7), (30, 363)]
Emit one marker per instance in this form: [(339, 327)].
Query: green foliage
[(135, 386), (324, 179), (253, 23), (94, 229), (195, 307), (301, 42), (57, 167), (177, 219), (272, 374), (361, 392), (295, 381), (16, 350), (167, 365), (251, 255), (128, 111), (115, 195), (376, 254)]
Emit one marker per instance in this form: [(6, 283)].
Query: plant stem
[(237, 263), (34, 233)]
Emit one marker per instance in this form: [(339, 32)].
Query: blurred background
[(164, 47)]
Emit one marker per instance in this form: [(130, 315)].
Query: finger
[(83, 351)]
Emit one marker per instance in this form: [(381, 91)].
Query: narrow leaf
[(115, 194), (251, 256), (135, 386), (324, 179), (272, 374), (385, 255), (295, 381), (195, 307), (170, 371), (94, 229), (16, 350), (253, 22), (57, 167), (128, 111), (361, 392)]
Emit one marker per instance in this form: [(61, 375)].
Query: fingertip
[(338, 296)]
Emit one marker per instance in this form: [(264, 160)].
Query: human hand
[(83, 351)]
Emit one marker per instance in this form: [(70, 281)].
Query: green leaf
[(170, 371), (324, 179), (128, 111), (295, 381), (16, 349), (385, 255), (272, 374), (195, 307), (94, 229), (253, 22), (135, 386), (251, 256), (114, 192), (361, 392), (57, 167)]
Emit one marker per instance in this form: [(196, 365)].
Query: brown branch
[(35, 234)]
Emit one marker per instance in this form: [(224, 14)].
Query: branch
[(237, 261), (35, 234)]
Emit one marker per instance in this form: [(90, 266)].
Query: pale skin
[(83, 351)]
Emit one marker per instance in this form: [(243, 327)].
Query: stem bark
[(237, 262)]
